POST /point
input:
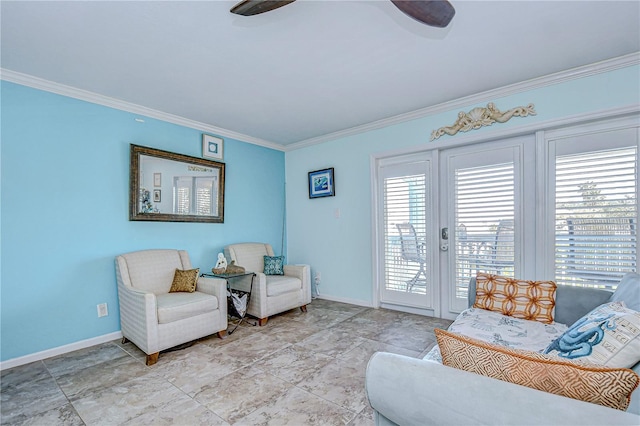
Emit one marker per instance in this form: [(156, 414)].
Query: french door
[(558, 205), (405, 186), (475, 224), (482, 213)]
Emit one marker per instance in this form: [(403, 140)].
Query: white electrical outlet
[(103, 311)]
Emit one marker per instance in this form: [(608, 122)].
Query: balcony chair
[(155, 319), (271, 294), (412, 251)]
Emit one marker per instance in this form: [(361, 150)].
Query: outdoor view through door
[(407, 251), (484, 218)]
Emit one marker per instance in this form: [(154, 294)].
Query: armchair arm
[(258, 303), (139, 317), (216, 287), (303, 273)]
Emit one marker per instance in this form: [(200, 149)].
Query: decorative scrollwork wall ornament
[(480, 117)]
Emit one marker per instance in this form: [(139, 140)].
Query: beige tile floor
[(299, 369)]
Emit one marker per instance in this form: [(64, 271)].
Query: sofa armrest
[(407, 391), (303, 273), (216, 287)]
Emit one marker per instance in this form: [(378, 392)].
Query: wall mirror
[(169, 187)]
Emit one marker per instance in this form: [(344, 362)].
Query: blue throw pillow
[(273, 265)]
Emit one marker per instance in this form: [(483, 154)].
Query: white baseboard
[(38, 356), (358, 302)]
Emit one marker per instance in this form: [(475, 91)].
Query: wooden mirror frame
[(135, 185)]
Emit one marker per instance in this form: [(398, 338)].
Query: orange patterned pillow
[(611, 387), (530, 300)]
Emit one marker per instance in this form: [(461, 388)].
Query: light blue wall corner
[(342, 248), (65, 183)]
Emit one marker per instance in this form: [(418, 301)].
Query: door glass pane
[(596, 217), (484, 218), (406, 253)]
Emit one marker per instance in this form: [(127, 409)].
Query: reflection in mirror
[(172, 187)]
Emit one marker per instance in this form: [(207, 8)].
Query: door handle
[(444, 239)]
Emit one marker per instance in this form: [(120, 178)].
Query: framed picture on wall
[(321, 183), (157, 179), (157, 195), (212, 147)]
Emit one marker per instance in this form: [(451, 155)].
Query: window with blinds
[(194, 195), (484, 216), (596, 211), (406, 251)]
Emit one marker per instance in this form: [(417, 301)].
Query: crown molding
[(482, 97), (87, 96)]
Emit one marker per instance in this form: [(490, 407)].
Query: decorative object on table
[(212, 147), (232, 268), (221, 265), (321, 183), (480, 117)]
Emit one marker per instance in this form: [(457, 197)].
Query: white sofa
[(409, 391), (154, 319), (271, 294)]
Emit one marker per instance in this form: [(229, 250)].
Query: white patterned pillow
[(609, 335)]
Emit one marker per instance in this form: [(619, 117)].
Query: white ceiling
[(308, 69)]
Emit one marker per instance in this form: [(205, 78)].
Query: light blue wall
[(341, 249), (65, 176)]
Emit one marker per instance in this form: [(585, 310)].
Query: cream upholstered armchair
[(271, 294), (155, 319)]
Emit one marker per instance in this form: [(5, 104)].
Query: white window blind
[(596, 216), (406, 252), (204, 196), (195, 195), (182, 195), (484, 217)]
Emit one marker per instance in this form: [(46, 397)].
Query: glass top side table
[(237, 289)]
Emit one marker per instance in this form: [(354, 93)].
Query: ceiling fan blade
[(255, 7), (436, 13)]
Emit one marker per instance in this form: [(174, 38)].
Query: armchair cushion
[(184, 281), (277, 285), (177, 306), (273, 265)]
